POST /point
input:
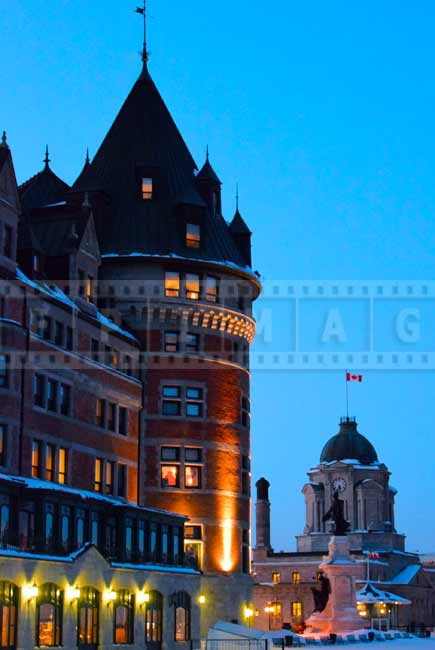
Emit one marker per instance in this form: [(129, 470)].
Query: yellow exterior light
[(249, 612), (110, 596), (201, 599), (72, 593), (30, 591), (143, 597)]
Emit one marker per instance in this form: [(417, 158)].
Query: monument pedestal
[(340, 615)]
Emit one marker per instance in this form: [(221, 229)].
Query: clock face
[(339, 484)]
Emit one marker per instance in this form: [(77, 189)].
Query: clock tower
[(350, 466)]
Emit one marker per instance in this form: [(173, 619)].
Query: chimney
[(262, 516)]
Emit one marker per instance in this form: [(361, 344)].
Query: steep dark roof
[(207, 173), (349, 444), (144, 141), (55, 231), (4, 155), (42, 189), (238, 225)]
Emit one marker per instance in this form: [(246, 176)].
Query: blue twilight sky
[(324, 114)]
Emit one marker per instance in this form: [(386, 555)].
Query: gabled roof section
[(8, 182), (63, 233), (45, 188), (207, 173)]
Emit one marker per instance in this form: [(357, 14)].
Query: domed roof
[(349, 443)]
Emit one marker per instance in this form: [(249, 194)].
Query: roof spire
[(87, 161), (46, 159), (206, 153), (145, 53), (237, 197), (4, 143)]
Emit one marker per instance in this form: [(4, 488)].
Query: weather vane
[(143, 11)]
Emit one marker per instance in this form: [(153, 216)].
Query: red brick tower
[(179, 276)]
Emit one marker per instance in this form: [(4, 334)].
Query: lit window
[(154, 618), (182, 616), (276, 577), (192, 286), (62, 465), (123, 615), (171, 342), (9, 614), (98, 483), (193, 235), (49, 462), (193, 546), (88, 614), (89, 288), (170, 476), (211, 289), (172, 284), (192, 477), (147, 188), (49, 610), (36, 459), (296, 608), (275, 614), (296, 577)]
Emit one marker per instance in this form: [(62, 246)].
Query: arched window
[(181, 601), (88, 618), (154, 618), (49, 610), (123, 617), (8, 615)]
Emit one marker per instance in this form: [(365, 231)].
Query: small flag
[(350, 377), (373, 556), (139, 10)]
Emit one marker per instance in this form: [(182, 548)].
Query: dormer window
[(193, 235), (147, 189)]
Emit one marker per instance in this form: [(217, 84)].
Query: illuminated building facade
[(395, 589), (125, 321)]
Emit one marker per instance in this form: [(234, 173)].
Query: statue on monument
[(321, 593), (336, 514)]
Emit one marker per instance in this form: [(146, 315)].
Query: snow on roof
[(245, 269), (405, 576), (234, 630), (156, 567), (55, 292), (39, 484), (371, 594)]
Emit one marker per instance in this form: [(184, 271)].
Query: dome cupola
[(349, 444)]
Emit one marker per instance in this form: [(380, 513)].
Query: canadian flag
[(350, 377), (373, 556)]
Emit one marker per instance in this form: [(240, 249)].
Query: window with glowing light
[(88, 618), (296, 608), (193, 235), (49, 611), (192, 286), (211, 289), (36, 459), (123, 618), (147, 189), (8, 615), (276, 578), (172, 284), (192, 477), (49, 462), (170, 476), (275, 616), (154, 618), (296, 577), (98, 482), (182, 616), (193, 546)]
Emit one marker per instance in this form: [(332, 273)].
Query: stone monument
[(335, 599)]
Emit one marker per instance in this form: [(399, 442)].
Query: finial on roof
[(87, 161), (237, 197), (86, 203), (145, 53), (4, 143), (206, 153), (46, 159)]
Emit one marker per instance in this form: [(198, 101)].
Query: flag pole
[(347, 396)]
